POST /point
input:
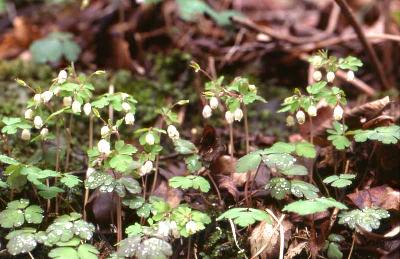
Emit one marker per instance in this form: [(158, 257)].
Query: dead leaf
[(295, 249), (382, 196)]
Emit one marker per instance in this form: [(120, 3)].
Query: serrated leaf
[(305, 207), (367, 218), (279, 187), (295, 170), (21, 243), (8, 160), (280, 162), (10, 218), (339, 141), (386, 135), (154, 248), (184, 147), (128, 246), (306, 149), (248, 162), (33, 214), (132, 185), (193, 163), (245, 216), (63, 253), (316, 87), (121, 162), (86, 251), (191, 181), (302, 189), (334, 251), (70, 180), (350, 62), (340, 181)]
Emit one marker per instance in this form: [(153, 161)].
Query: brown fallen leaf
[(382, 196)]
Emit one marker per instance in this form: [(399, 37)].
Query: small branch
[(352, 246), (368, 47)]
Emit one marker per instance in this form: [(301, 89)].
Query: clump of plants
[(50, 168)]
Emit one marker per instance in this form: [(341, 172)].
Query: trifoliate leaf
[(302, 189), (63, 253), (295, 170), (280, 162), (134, 203), (121, 162), (386, 135), (184, 147), (316, 87), (134, 230), (33, 214), (99, 179), (129, 246), (83, 229), (305, 149), (340, 142), (305, 207), (191, 181), (367, 218), (350, 62), (8, 160), (18, 204), (86, 251), (132, 185), (193, 163), (49, 192), (334, 251), (59, 232), (245, 216), (279, 187), (70, 180), (154, 248), (280, 147), (340, 181), (248, 162), (21, 243), (10, 218)]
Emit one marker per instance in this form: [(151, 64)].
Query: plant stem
[(231, 148), (352, 246), (86, 198), (246, 129)]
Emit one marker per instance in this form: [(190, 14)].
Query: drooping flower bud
[(317, 75), (191, 227), (330, 76), (338, 112), (146, 168), (126, 107), (28, 114), (104, 147), (38, 122), (301, 117), (150, 139), (76, 107), (46, 96), (129, 118), (62, 76), (172, 132), (67, 101), (26, 134), (253, 88), (87, 108), (104, 131), (44, 132), (238, 114), (312, 111), (290, 121), (37, 98), (350, 75), (214, 102), (229, 117), (207, 112)]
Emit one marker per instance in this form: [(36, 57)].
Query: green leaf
[(184, 147), (86, 251), (129, 246), (316, 87), (367, 218), (302, 189), (340, 181), (279, 187), (132, 185), (63, 253), (245, 216), (121, 162), (134, 203), (340, 142), (154, 248), (351, 63), (70, 180), (191, 181), (334, 251), (193, 163), (33, 214), (280, 162), (248, 162), (124, 149), (10, 218), (305, 207), (18, 204), (306, 149), (134, 230), (8, 160), (386, 135), (21, 243), (49, 192), (295, 170)]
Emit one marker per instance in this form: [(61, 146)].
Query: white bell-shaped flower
[(338, 112), (207, 112), (37, 98), (87, 108), (67, 101), (191, 227), (26, 134), (38, 122), (28, 114), (129, 118), (173, 133), (46, 96), (126, 107), (104, 147), (76, 106), (350, 75), (238, 114), (62, 76), (317, 75), (330, 76), (150, 139), (229, 117), (104, 131), (301, 117), (214, 102), (312, 111), (44, 132)]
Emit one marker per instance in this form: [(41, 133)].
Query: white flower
[(37, 98), (316, 60), (67, 101), (76, 106), (338, 113), (312, 111), (207, 112), (104, 146), (301, 117), (290, 120), (330, 76), (229, 117), (28, 114), (253, 88), (317, 75), (46, 96), (173, 133), (150, 139), (104, 131), (146, 168), (56, 90), (191, 227), (62, 76), (214, 102), (25, 134), (124, 96), (87, 108), (126, 107), (174, 229), (164, 228), (90, 171), (238, 114), (129, 118), (350, 75), (38, 122), (44, 132)]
